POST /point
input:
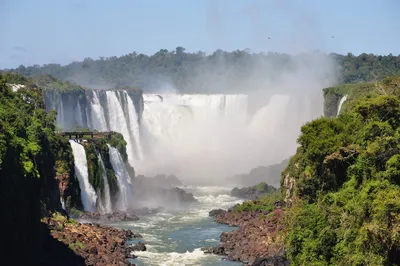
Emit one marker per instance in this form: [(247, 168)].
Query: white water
[(106, 200), (62, 203), (134, 127), (123, 178), (88, 195), (198, 137), (209, 137), (344, 98), (174, 237), (98, 120)]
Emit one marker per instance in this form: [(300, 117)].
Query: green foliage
[(357, 92), (347, 174), (191, 72), (118, 141), (49, 82), (264, 203), (94, 168)]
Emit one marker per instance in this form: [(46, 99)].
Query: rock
[(257, 236), (112, 217), (214, 250), (96, 244), (145, 211), (280, 204), (271, 261), (216, 212), (139, 247)]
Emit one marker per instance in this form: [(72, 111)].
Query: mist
[(237, 122)]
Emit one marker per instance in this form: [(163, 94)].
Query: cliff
[(37, 174), (28, 188), (356, 92)]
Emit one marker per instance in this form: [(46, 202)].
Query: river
[(174, 237)]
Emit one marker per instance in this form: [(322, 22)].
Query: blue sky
[(62, 31)]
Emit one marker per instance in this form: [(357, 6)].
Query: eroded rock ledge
[(257, 241), (96, 244)]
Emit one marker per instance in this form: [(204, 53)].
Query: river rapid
[(175, 237)]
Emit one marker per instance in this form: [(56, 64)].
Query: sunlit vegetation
[(346, 206), (191, 72)]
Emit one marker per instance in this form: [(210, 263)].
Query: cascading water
[(344, 98), (106, 199), (88, 195), (195, 136), (123, 178)]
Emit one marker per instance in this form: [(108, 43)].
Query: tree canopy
[(190, 72)]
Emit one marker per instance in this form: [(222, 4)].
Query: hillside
[(343, 183), (355, 92), (218, 72)]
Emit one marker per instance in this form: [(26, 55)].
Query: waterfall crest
[(123, 179), (88, 195)]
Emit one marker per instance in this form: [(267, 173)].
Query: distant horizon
[(205, 53), (45, 31)]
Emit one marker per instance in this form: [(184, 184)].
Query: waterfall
[(123, 178), (134, 127), (79, 118), (118, 122), (340, 104), (88, 195), (196, 136), (98, 119), (62, 203), (106, 199)]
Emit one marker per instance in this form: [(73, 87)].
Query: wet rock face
[(257, 237), (96, 244), (139, 247)]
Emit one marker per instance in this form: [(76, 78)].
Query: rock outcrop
[(96, 244), (216, 212), (112, 217), (258, 236)]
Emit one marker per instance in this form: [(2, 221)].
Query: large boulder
[(216, 212)]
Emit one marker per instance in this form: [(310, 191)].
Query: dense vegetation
[(98, 147), (218, 72), (263, 203), (355, 92), (346, 199), (28, 154)]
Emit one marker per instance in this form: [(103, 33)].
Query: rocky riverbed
[(257, 241), (96, 244)]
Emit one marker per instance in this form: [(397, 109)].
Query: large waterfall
[(123, 178), (194, 136), (88, 195)]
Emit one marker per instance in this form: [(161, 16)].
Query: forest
[(220, 71)]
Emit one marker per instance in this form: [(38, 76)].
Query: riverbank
[(257, 238), (96, 244)]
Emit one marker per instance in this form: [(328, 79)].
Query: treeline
[(220, 71)]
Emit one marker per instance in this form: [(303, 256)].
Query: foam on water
[(174, 237)]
